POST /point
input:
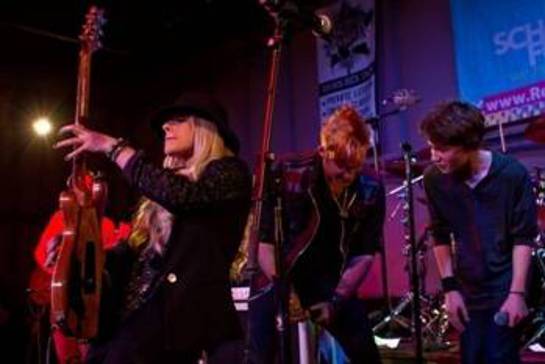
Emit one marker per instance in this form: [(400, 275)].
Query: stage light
[(42, 126)]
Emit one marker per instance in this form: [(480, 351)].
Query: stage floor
[(405, 354)]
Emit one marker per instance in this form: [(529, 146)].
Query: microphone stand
[(262, 168), (411, 237)]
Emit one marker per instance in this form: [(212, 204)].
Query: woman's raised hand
[(84, 140)]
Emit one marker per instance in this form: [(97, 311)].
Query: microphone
[(320, 24), (501, 318)]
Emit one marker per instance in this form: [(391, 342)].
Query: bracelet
[(521, 293), (118, 151), (119, 145), (449, 284)]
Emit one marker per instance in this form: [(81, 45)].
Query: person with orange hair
[(333, 218)]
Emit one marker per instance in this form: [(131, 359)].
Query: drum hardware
[(538, 255), (395, 167), (396, 190), (430, 322), (433, 316), (420, 161), (399, 192), (535, 131), (538, 319)]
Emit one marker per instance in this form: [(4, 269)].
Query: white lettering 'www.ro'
[(529, 95), (529, 36)]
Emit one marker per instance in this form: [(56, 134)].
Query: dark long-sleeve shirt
[(485, 222)]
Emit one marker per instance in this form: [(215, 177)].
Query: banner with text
[(346, 59), (500, 56)]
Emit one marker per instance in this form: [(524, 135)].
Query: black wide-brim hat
[(203, 106)]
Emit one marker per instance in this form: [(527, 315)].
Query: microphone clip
[(289, 12)]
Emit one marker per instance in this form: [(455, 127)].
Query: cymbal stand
[(374, 123)]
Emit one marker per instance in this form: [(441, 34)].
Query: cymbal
[(535, 131), (397, 167)]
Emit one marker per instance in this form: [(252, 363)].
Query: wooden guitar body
[(77, 278)]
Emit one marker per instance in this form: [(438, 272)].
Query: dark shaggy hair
[(454, 123)]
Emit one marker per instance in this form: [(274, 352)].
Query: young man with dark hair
[(483, 219)]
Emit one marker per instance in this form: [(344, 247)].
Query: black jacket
[(298, 178), (191, 297)]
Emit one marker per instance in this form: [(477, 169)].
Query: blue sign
[(500, 53)]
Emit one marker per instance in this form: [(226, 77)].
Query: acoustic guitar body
[(77, 278)]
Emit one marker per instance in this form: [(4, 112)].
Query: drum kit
[(433, 315), (537, 273)]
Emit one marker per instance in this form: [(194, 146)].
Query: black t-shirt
[(485, 222)]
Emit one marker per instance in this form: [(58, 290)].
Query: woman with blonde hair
[(170, 290)]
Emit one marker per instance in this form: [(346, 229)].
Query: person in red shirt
[(67, 349)]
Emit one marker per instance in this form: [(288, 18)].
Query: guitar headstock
[(91, 33), (403, 98)]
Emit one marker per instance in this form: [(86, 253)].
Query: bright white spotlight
[(42, 126)]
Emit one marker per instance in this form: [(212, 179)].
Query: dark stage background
[(152, 53)]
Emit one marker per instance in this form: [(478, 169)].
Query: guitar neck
[(84, 86), (90, 42), (79, 169)]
